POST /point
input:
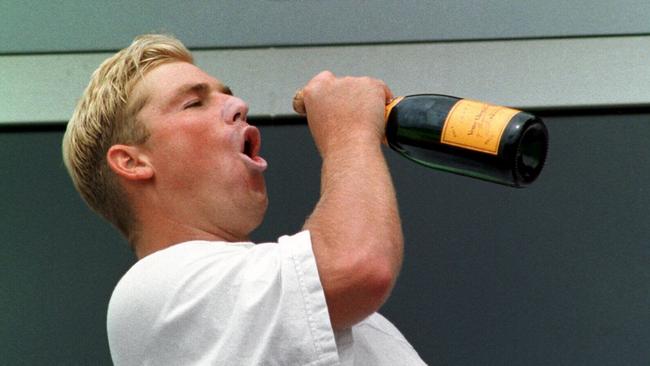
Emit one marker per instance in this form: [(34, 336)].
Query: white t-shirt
[(217, 303)]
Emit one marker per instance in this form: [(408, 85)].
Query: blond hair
[(105, 116)]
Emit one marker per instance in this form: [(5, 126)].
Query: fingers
[(299, 103), (327, 77)]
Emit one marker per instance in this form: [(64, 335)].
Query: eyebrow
[(137, 101), (197, 88)]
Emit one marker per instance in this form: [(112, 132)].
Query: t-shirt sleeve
[(217, 303), (312, 297)]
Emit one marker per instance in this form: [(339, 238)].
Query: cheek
[(210, 160), (187, 152), (194, 140), (196, 153)]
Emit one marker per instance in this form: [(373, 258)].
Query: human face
[(207, 171)]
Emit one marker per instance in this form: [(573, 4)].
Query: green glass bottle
[(466, 137)]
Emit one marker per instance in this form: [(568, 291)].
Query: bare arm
[(355, 227)]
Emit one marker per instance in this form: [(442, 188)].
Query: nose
[(236, 110)]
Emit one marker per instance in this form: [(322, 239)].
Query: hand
[(343, 111)]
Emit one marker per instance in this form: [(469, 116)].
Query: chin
[(258, 212)]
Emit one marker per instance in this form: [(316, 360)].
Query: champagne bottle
[(466, 137)]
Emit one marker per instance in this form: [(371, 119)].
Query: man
[(163, 151)]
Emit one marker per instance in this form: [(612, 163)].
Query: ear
[(129, 162)]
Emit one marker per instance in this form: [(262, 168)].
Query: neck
[(160, 232)]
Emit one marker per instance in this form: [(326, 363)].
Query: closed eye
[(193, 104)]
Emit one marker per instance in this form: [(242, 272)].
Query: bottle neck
[(390, 105)]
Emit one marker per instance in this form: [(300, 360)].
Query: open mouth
[(251, 147), (247, 149), (251, 142)]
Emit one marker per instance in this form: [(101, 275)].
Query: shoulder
[(267, 295), (167, 264), (184, 266), (153, 278)]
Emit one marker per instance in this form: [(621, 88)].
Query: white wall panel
[(548, 73)]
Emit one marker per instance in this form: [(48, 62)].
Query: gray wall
[(554, 274), (78, 25)]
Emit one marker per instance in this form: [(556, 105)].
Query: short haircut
[(104, 116)]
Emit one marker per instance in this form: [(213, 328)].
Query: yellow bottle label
[(476, 125)]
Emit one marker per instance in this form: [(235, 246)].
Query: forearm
[(356, 231)]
